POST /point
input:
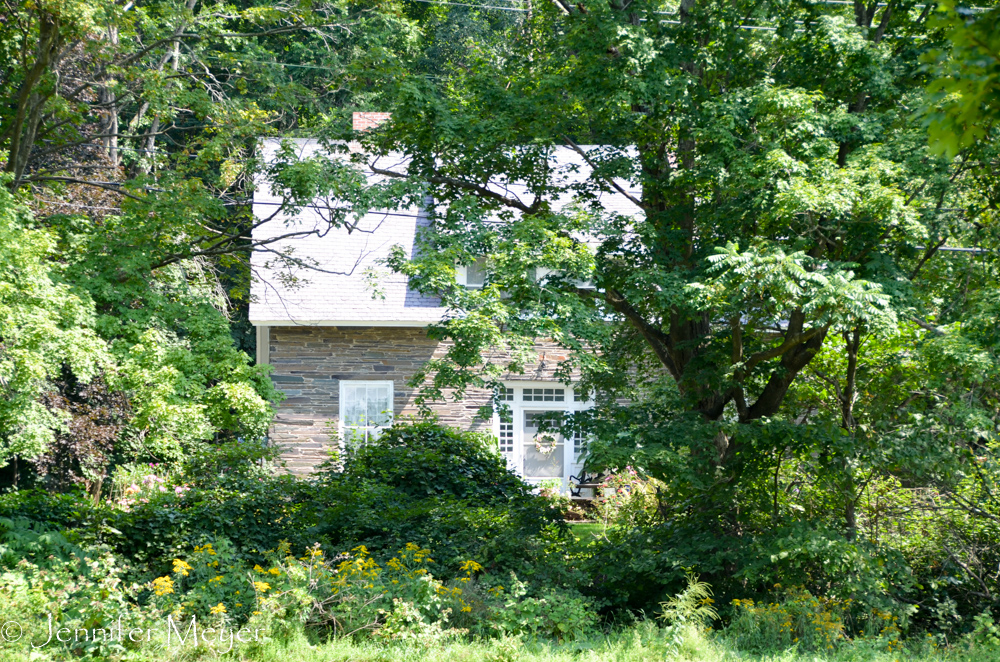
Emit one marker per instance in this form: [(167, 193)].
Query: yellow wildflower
[(263, 587), (163, 585), (257, 568), (471, 566), (219, 609), (181, 567), (274, 571)]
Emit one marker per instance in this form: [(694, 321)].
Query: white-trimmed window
[(365, 410), (544, 395), (506, 438), (472, 276)]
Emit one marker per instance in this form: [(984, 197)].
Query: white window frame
[(541, 274), (572, 462), (462, 274), (371, 431)]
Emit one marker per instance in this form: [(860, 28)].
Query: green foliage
[(692, 606), (44, 328), (427, 459), (963, 106), (779, 284), (559, 614), (446, 490), (22, 538), (163, 349)]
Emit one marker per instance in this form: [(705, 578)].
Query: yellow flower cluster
[(471, 566), (181, 567), (890, 628), (163, 585), (345, 577), (816, 622), (207, 550)]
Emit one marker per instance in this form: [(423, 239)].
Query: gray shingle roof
[(340, 292)]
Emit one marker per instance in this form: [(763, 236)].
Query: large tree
[(786, 203), (131, 130)]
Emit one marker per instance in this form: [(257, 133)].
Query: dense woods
[(793, 345)]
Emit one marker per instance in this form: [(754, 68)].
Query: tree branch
[(610, 180), (468, 186)]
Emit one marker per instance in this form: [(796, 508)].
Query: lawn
[(585, 532)]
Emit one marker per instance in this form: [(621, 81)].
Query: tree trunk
[(31, 99)]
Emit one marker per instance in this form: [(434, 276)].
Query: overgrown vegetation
[(791, 340)]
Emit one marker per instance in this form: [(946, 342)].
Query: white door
[(543, 453)]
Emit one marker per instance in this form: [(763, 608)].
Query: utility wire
[(463, 4)]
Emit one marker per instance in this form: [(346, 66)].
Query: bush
[(255, 515), (345, 594), (557, 613), (446, 490), (503, 537), (22, 538), (634, 568), (427, 459)]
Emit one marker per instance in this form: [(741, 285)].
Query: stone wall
[(309, 363)]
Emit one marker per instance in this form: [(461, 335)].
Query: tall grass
[(643, 642)]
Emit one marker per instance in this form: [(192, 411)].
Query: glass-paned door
[(544, 452), (365, 410)]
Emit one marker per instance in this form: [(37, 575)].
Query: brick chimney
[(365, 121)]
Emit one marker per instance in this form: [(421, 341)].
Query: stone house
[(344, 359)]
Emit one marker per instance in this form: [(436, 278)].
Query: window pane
[(544, 395), (354, 437), (475, 273), (353, 408), (547, 464), (507, 437), (379, 404), (543, 452)]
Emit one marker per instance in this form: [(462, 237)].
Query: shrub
[(83, 594), (230, 464), (255, 515), (634, 568), (503, 537), (347, 594), (799, 618), (427, 459), (22, 538), (446, 490), (557, 613)]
